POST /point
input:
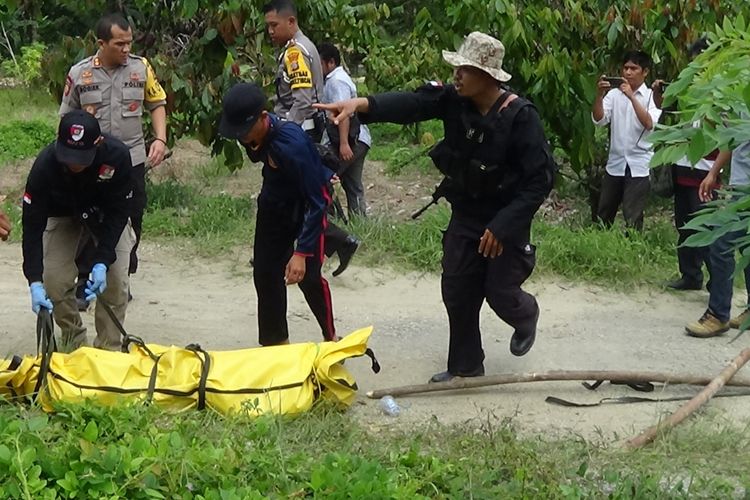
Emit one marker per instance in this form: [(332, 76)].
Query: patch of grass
[(214, 223), (583, 251), (414, 245), (24, 139), (27, 104), (139, 452)]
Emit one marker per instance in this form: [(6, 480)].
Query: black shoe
[(524, 336), (346, 254), (81, 301), (448, 376), (685, 284)]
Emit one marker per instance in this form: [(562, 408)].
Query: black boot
[(524, 336), (447, 376), (346, 253), (685, 284)]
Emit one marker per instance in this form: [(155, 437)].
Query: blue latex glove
[(39, 297), (98, 282)]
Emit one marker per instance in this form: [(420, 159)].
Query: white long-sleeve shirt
[(629, 144)]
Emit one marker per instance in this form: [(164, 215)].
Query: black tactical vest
[(473, 154)]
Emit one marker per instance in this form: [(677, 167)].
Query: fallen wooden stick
[(684, 411), (557, 375)]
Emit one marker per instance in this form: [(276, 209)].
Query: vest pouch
[(446, 160), (481, 180)]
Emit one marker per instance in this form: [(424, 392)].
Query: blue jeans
[(722, 271)]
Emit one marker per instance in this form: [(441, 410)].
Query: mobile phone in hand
[(614, 81)]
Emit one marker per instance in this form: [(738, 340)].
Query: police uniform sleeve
[(298, 69), (70, 98), (115, 201), (301, 161), (155, 95), (34, 218), (426, 103), (531, 153)]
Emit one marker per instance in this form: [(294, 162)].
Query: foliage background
[(555, 50)]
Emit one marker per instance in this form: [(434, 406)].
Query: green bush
[(24, 139), (90, 451), (29, 64), (215, 222)]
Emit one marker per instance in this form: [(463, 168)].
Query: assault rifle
[(439, 192)]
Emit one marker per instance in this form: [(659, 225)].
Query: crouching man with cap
[(291, 215), (498, 170), (80, 185)]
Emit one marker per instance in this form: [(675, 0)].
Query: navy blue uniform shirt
[(293, 172)]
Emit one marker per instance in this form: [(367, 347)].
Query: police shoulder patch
[(297, 69)]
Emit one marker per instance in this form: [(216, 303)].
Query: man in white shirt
[(350, 139), (632, 114)]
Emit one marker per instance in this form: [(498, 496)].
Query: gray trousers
[(60, 242), (631, 192), (351, 180)]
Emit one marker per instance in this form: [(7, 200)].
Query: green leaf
[(210, 34), (233, 155), (189, 8), (38, 423), (91, 432), (4, 454), (696, 148), (612, 33), (152, 493), (746, 95)]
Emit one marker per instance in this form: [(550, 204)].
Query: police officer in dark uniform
[(291, 217), (498, 170), (80, 187)]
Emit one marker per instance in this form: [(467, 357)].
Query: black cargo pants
[(276, 230), (469, 278)]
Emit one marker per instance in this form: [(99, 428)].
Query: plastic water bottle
[(389, 406)]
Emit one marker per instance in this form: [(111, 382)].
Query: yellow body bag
[(283, 379)]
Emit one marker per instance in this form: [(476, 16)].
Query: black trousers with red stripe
[(276, 229)]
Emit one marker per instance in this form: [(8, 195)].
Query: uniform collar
[(97, 63), (332, 74)]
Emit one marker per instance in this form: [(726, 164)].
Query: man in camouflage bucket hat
[(498, 170)]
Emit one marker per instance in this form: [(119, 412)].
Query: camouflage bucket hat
[(480, 51)]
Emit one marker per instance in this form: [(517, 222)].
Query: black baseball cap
[(241, 108), (76, 138)]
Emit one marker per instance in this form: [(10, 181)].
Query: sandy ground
[(181, 299)]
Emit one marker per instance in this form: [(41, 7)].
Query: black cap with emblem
[(242, 106), (77, 138)]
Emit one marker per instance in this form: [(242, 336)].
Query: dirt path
[(178, 301)]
